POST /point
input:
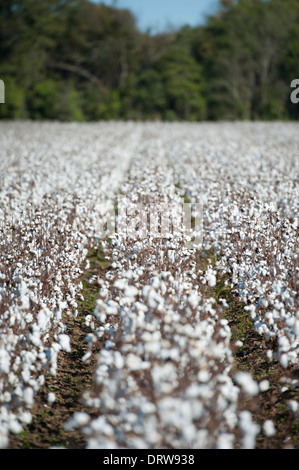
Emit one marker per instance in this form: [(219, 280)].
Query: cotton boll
[(25, 417), (79, 419), (64, 341), (284, 344), (119, 360), (131, 291), (248, 385), (14, 426), (284, 361), (294, 407), (86, 356), (88, 320), (28, 396), (269, 428), (134, 362), (270, 355), (249, 429), (194, 299), (264, 385), (51, 397), (4, 361), (211, 278), (121, 284), (203, 376), (43, 319), (225, 441)]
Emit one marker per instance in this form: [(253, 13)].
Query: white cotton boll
[(131, 291), (284, 361), (26, 375), (51, 397), (4, 361), (284, 344), (203, 376), (101, 426), (264, 385), (118, 360), (64, 341), (247, 383), (211, 280), (14, 426), (28, 318), (148, 408), (194, 299), (25, 417), (4, 440), (88, 320), (58, 314), (111, 308), (249, 429), (134, 362), (86, 356), (79, 419), (28, 396), (6, 397), (153, 347), (225, 441), (269, 428), (121, 284), (42, 320), (293, 406), (270, 355)]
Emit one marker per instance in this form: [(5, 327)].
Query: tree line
[(78, 60)]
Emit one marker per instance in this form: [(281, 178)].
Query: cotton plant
[(165, 327), (53, 191), (163, 377)]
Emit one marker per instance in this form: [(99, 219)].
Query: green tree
[(183, 80)]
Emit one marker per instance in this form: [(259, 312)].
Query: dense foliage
[(78, 60)]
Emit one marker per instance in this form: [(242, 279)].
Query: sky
[(159, 14)]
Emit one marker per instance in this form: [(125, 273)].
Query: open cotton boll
[(134, 362), (51, 397), (121, 284), (225, 441), (264, 385), (294, 407), (14, 426), (131, 291), (79, 419), (247, 383), (28, 396), (211, 277), (64, 341), (269, 428), (249, 429), (4, 361)]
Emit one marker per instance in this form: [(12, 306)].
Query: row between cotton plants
[(163, 377)]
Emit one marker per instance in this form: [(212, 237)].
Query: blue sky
[(158, 14)]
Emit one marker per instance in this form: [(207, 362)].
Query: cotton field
[(176, 208)]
